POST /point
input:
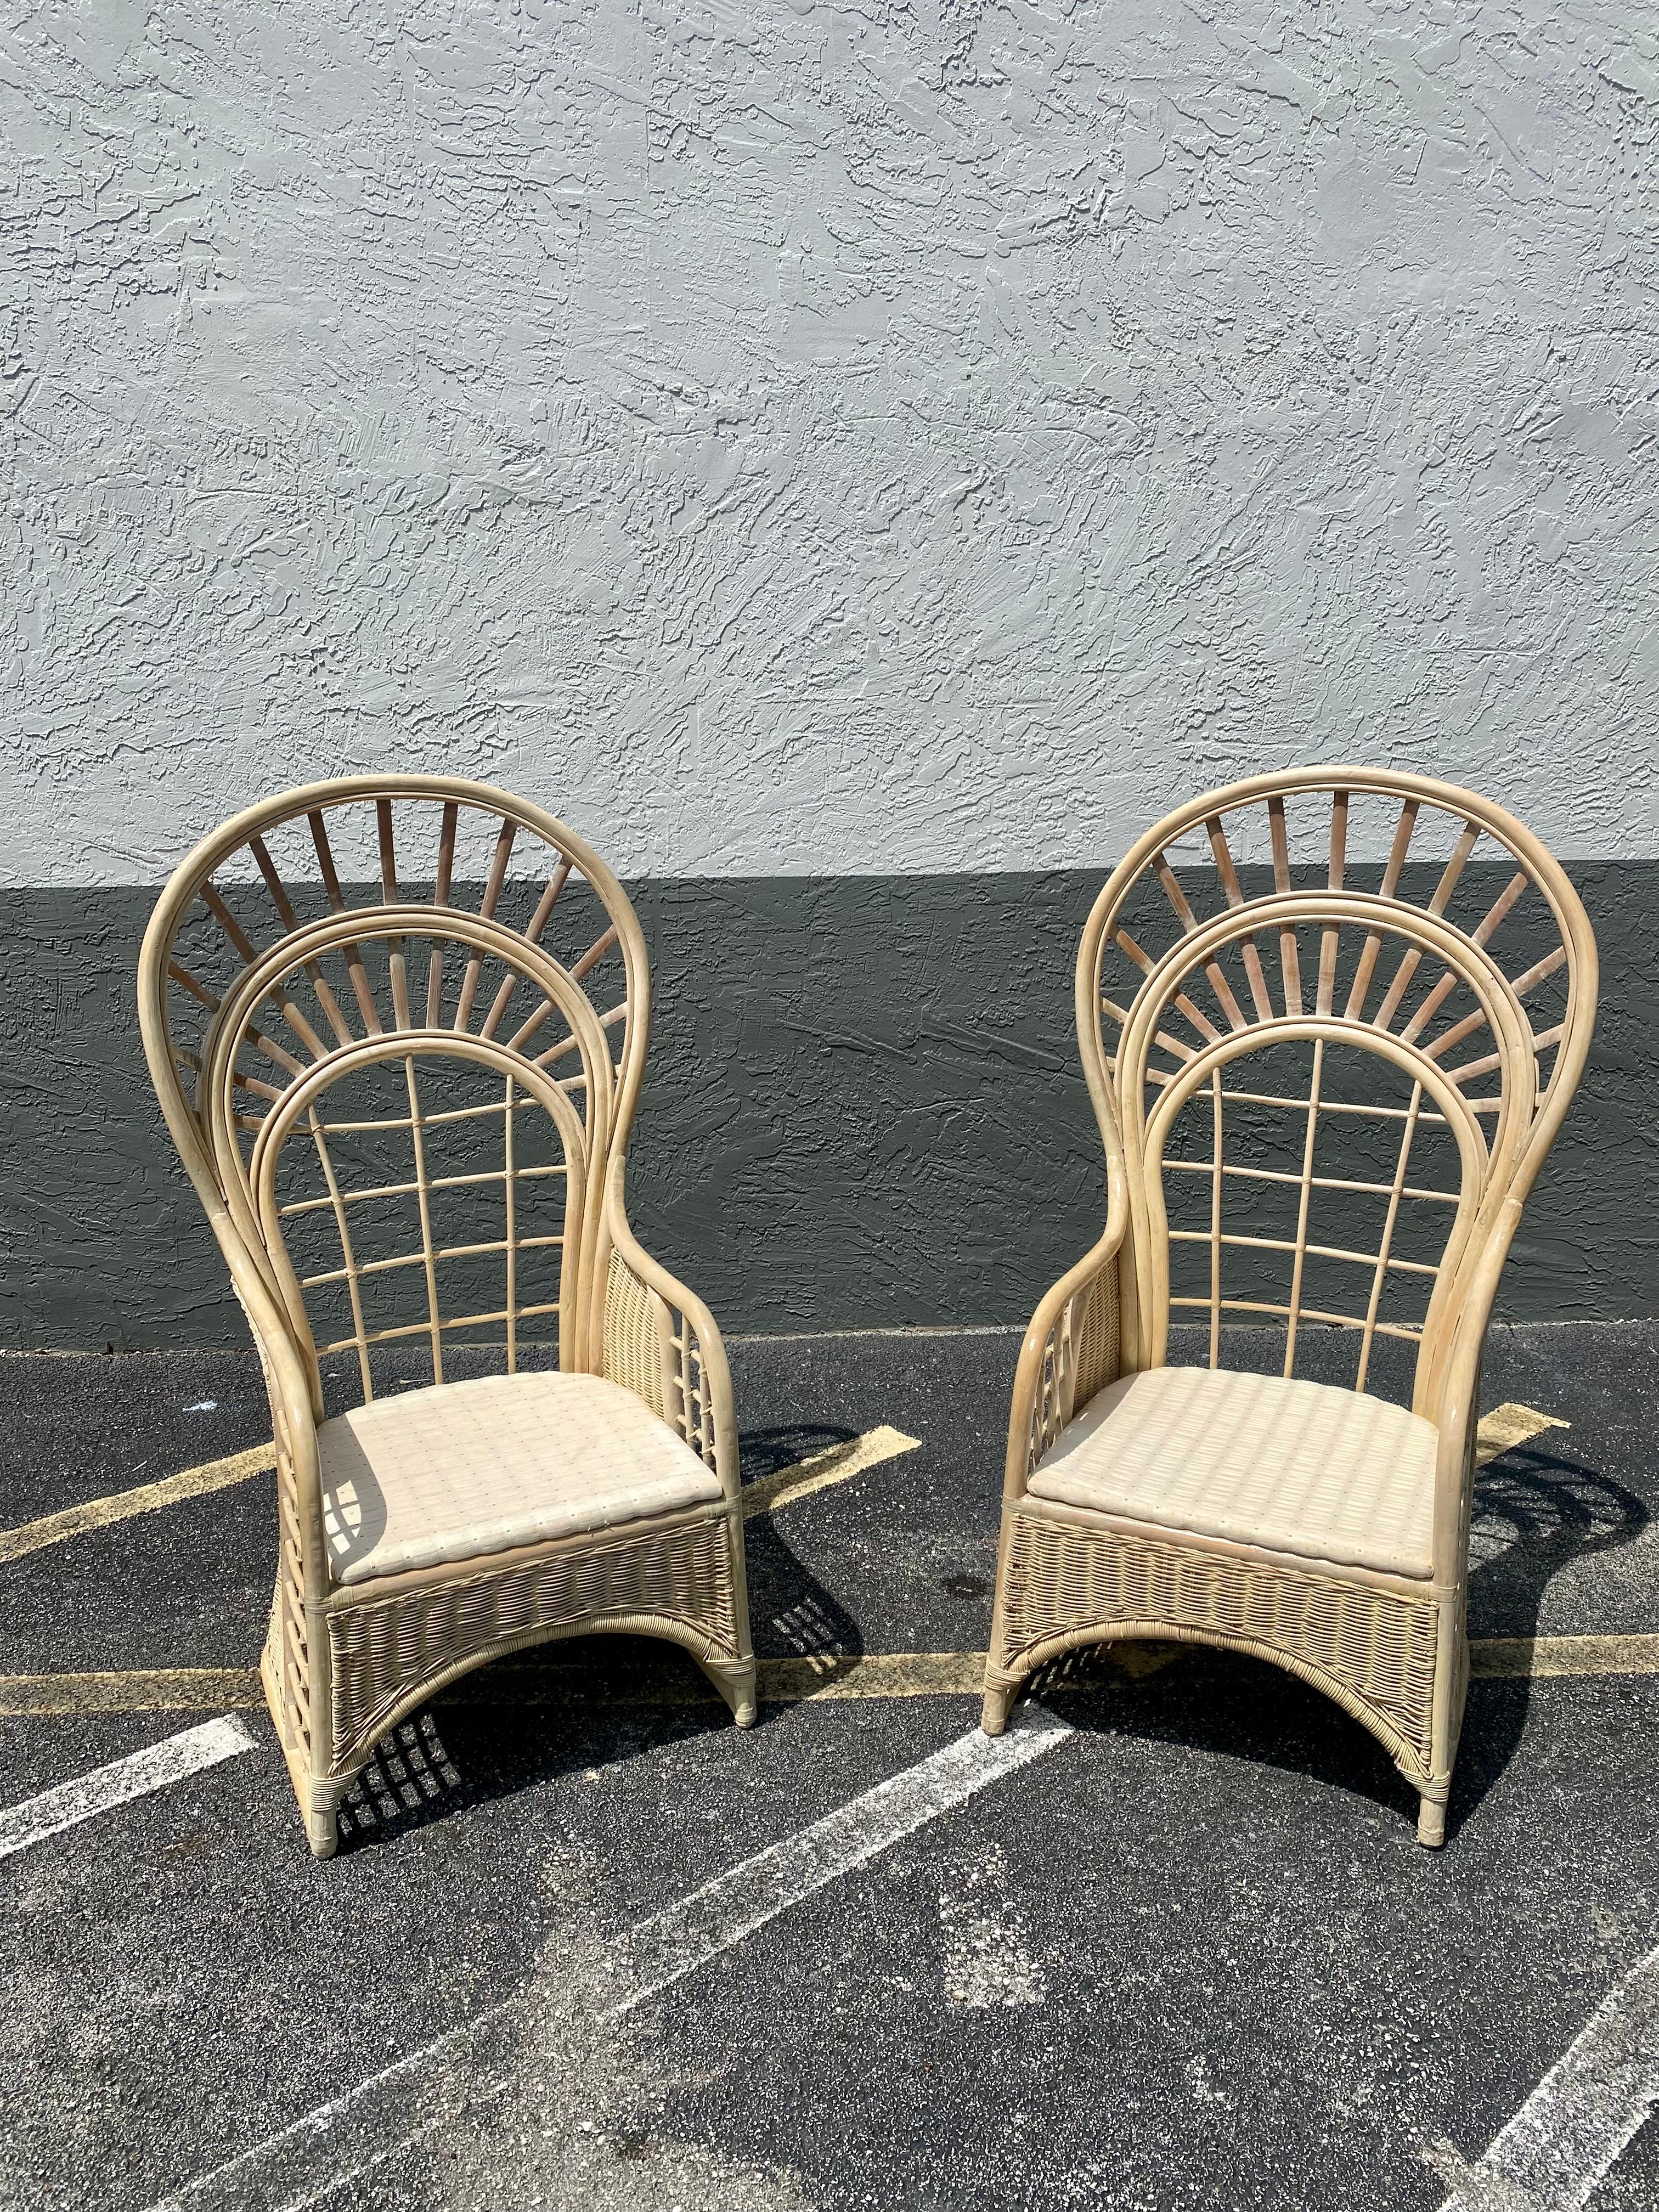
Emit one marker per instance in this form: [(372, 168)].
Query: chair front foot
[(323, 1833), (1431, 1815), (736, 1681), (1000, 1691)]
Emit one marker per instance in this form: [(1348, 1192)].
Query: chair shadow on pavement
[(1535, 1515), (564, 1707), (792, 1614)]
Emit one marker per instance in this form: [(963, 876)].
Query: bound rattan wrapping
[(1474, 1010), (273, 983)]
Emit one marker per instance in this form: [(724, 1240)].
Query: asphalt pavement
[(1189, 1955)]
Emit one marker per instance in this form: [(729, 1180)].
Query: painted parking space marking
[(165, 1690), (988, 1962), (839, 1463), (1508, 1425), (147, 1497), (801, 1479), (782, 1682), (155, 1767), (1542, 1658), (302, 2163), (1579, 2120), (675, 1943)]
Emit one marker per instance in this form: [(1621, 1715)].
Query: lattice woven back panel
[(418, 1192), (417, 1208), (1309, 1182), (1332, 1018)]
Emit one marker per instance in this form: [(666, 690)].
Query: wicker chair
[(1325, 1092), (460, 1096)]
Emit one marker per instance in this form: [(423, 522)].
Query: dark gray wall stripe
[(864, 1109)]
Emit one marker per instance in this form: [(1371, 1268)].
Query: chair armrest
[(1457, 1413), (294, 1412), (1070, 1352), (659, 1339)]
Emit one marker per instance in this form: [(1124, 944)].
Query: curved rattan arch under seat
[(271, 983), (1239, 926)]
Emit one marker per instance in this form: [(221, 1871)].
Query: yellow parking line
[(99, 1512), (173, 1690), (782, 1682), (840, 1463), (1510, 1424), (1541, 1656)]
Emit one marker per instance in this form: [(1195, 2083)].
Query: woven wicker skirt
[(1371, 1648), (392, 1644)]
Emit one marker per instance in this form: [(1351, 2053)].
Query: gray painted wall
[(863, 1109), (806, 439)]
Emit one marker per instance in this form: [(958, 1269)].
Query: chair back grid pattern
[(1352, 1234), (389, 1202), (1320, 1072), (489, 941)]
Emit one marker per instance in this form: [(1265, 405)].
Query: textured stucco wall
[(804, 439), (859, 464)]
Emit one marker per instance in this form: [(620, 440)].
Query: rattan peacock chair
[(406, 1110), (1325, 1090)]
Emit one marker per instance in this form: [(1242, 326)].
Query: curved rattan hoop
[(266, 898), (1406, 1755), (691, 1635), (221, 1073), (1573, 954)]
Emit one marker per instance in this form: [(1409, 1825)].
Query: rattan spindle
[(1432, 1033), (460, 1109)]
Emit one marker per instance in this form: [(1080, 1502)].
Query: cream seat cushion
[(1294, 1467), (468, 1467)]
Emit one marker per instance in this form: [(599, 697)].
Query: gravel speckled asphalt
[(1192, 1956)]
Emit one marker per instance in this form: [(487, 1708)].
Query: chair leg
[(1431, 1815), (1001, 1689), (735, 1679), (323, 1833), (1000, 1695)]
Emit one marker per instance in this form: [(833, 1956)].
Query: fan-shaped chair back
[(381, 1015), (1326, 1086)]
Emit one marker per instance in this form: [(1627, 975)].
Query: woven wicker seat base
[(1067, 1583), (391, 1650)]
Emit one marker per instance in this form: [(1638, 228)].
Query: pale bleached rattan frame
[(309, 1001), (1329, 966)]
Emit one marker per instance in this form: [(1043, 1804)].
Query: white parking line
[(306, 2161), (664, 1950), (1580, 2118), (154, 1768)]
